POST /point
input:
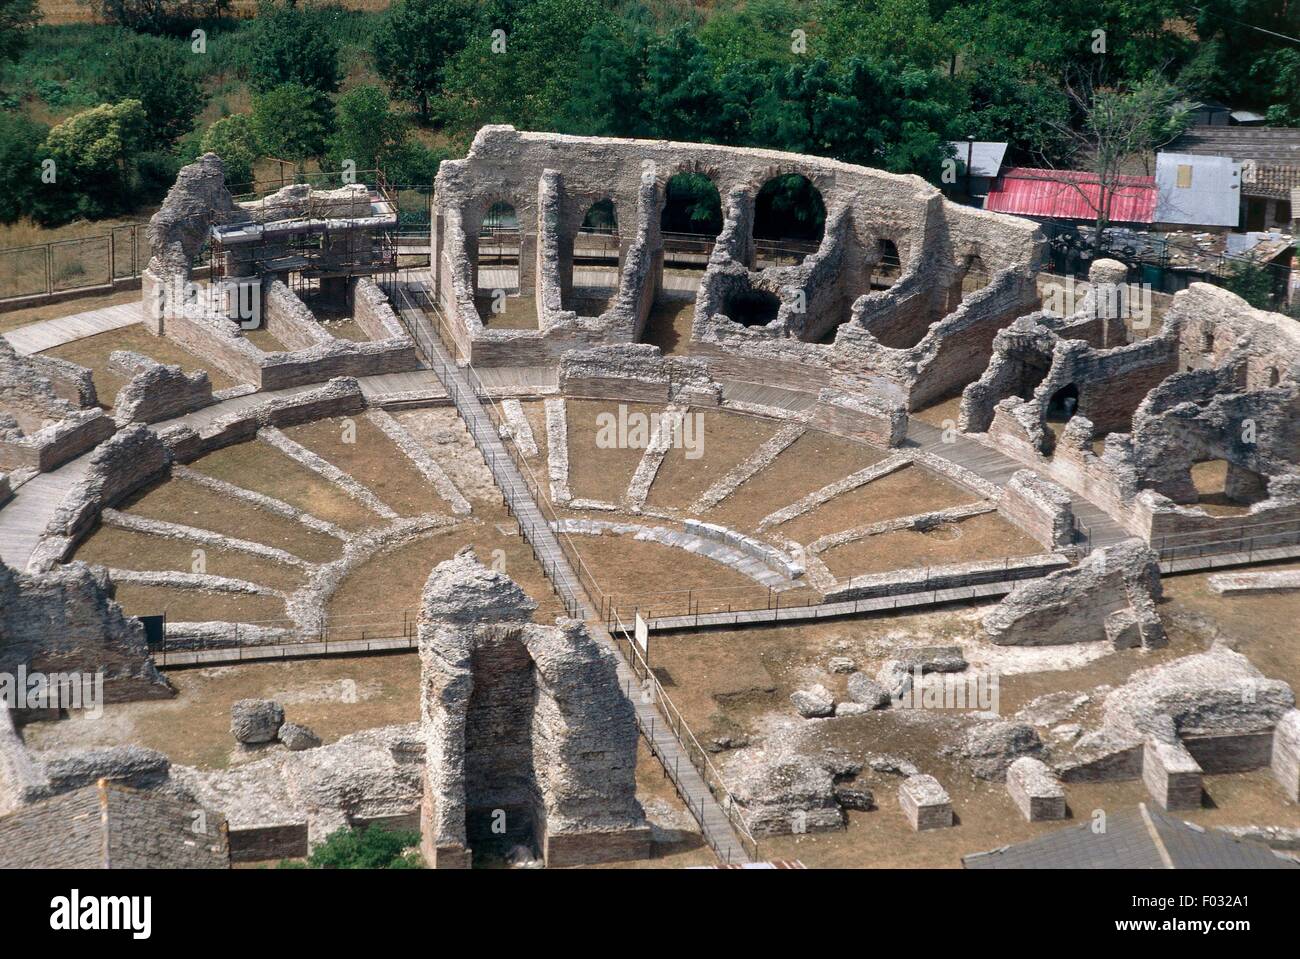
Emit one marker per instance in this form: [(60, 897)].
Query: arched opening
[(595, 264), (789, 220), (1063, 404), (689, 223), (691, 220), (972, 277), (497, 269), (888, 265)]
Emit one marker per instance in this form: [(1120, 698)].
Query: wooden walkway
[(535, 528), (818, 611), (229, 655), (47, 334), (24, 518)]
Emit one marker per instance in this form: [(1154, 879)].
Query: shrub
[(96, 155), (371, 848), (20, 156), (234, 139)]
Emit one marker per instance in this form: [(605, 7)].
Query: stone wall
[(66, 621), (129, 460), (156, 392), (287, 318), (372, 311), (1039, 507)]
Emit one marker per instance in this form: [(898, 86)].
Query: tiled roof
[(1264, 145), (1143, 838)]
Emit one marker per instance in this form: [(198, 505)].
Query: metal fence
[(81, 263)]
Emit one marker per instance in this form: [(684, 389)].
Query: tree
[(1114, 127), (1253, 283), (160, 16), (234, 139), (164, 80), (680, 100), (20, 154), (289, 46), (529, 82), (371, 848), (366, 131), (291, 122), (95, 158), (415, 41), (17, 17), (606, 99)]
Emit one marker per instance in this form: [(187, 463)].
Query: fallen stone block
[(866, 691), (813, 703), (255, 721), (1035, 790), (925, 803), (1171, 775), (296, 738)]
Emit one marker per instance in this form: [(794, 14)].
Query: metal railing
[(67, 266), (1248, 538), (696, 754)]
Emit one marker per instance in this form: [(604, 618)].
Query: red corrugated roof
[(1071, 195)]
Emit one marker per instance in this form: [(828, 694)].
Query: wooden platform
[(47, 334), (24, 518)]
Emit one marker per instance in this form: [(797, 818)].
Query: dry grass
[(127, 549), (261, 467), (986, 536), (334, 697), (728, 438), (669, 326), (373, 460), (180, 501), (13, 319), (93, 353)]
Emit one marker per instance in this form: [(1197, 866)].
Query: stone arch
[(501, 249), (596, 258), (789, 218)]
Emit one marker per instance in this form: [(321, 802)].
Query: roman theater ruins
[(594, 540)]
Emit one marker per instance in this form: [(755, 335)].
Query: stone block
[(925, 803)]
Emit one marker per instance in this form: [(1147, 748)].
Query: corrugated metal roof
[(985, 155), (1197, 190), (1129, 843), (1071, 195)]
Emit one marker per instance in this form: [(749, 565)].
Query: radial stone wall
[(529, 740)]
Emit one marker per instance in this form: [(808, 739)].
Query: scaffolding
[(315, 239)]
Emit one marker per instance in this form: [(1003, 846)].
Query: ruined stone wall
[(55, 444), (119, 466), (863, 206), (1039, 507), (156, 392), (1075, 605), (521, 717), (287, 318), (372, 311), (66, 621)]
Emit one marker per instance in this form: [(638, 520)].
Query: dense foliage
[(880, 82)]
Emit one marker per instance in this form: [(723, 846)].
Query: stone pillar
[(1109, 281), (528, 267), (1035, 790)]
